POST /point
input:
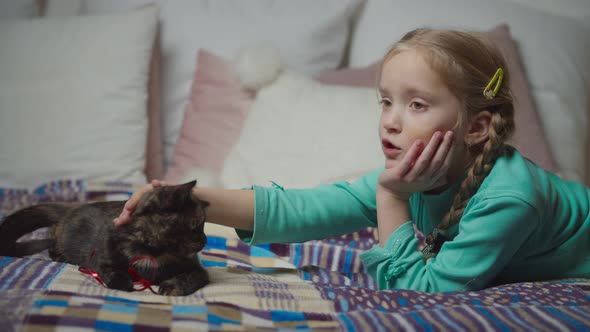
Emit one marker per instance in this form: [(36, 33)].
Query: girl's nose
[(392, 121)]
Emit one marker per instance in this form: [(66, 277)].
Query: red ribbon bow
[(141, 282)]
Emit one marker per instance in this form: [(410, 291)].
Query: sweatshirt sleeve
[(298, 215), (491, 231)]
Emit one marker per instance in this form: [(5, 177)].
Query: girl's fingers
[(446, 155), (131, 204), (424, 161), (134, 199), (157, 183), (409, 159), (443, 153), (122, 219)]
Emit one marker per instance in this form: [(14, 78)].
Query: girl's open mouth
[(390, 150)]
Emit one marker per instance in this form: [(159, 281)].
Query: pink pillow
[(213, 119), (219, 106)]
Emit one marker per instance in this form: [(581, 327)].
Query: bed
[(126, 92), (316, 286)]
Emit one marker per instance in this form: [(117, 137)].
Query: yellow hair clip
[(490, 93)]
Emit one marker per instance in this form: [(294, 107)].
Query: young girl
[(489, 214)]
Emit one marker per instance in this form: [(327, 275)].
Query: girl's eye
[(417, 105), (385, 102)]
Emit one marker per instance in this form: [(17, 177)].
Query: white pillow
[(300, 133), (62, 8), (73, 93), (312, 35), (18, 8), (555, 52), (576, 9)]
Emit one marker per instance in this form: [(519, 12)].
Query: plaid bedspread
[(313, 286)]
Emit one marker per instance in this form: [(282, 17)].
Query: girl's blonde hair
[(467, 61)]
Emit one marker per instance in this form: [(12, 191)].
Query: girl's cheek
[(421, 133), (424, 134)]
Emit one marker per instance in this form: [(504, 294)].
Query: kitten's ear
[(184, 192), (189, 185)]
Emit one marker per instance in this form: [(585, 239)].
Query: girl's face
[(415, 104)]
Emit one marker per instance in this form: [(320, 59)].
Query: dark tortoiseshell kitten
[(167, 225)]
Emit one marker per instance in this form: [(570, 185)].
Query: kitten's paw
[(184, 284), (170, 288), (120, 281)]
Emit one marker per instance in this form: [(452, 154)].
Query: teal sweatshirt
[(523, 224)]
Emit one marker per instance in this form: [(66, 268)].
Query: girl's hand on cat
[(421, 168), (129, 207)]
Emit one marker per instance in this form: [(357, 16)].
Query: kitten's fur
[(166, 225)]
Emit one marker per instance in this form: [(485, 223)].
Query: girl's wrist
[(386, 194), (392, 212), (393, 201), (233, 208)]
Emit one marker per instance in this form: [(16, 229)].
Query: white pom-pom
[(258, 66)]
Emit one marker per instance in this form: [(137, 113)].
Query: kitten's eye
[(384, 102)]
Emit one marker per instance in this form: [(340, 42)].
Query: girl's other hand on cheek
[(422, 168)]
